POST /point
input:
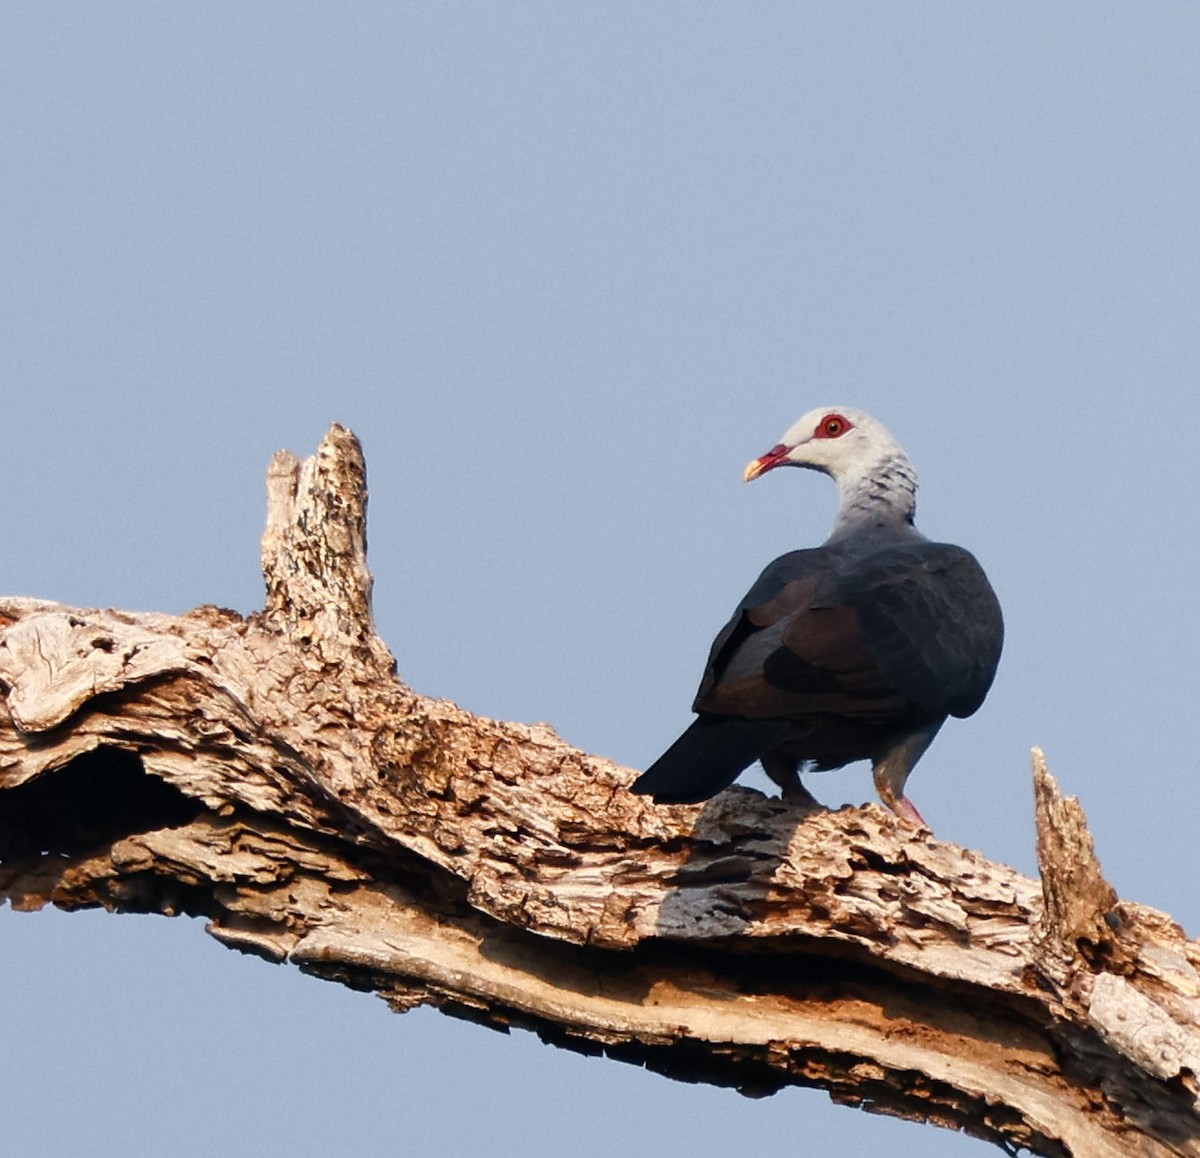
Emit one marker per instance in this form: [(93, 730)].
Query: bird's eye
[(832, 426)]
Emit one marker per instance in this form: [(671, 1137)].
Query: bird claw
[(799, 797), (906, 810)]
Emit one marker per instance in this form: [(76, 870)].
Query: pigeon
[(855, 650)]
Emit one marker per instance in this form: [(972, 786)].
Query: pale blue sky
[(565, 268)]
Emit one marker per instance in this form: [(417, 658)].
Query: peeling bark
[(274, 775)]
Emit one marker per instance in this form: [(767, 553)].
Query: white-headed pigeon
[(855, 650)]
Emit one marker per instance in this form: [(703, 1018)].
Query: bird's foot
[(891, 771), (799, 797), (907, 811), (898, 803), (785, 771)]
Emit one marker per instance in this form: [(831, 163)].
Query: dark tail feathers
[(708, 757)]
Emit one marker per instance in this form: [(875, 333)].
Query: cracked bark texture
[(272, 774)]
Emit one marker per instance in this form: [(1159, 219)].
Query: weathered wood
[(273, 774)]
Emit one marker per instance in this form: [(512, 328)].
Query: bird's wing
[(932, 622), (794, 648), (870, 635)]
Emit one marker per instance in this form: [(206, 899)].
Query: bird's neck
[(882, 495)]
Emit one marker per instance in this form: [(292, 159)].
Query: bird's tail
[(708, 757)]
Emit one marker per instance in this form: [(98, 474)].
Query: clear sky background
[(565, 268)]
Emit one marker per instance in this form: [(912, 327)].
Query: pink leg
[(891, 771), (907, 811)]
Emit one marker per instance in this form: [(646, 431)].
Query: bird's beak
[(776, 456)]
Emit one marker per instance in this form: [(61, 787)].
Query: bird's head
[(836, 440)]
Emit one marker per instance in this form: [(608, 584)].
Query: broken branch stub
[(314, 548), (1079, 905), (273, 775)]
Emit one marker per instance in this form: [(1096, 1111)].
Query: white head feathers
[(876, 482)]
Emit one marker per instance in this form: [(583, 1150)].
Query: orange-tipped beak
[(776, 456)]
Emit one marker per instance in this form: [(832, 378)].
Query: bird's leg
[(785, 771), (892, 794), (892, 768)]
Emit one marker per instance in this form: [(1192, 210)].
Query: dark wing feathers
[(787, 584), (933, 624), (836, 631)]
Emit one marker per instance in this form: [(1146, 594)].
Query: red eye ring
[(833, 426)]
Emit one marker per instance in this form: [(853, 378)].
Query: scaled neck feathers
[(883, 494)]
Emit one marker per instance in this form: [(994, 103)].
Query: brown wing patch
[(802, 661), (757, 699), (795, 596)]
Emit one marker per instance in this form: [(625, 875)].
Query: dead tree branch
[(273, 775)]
